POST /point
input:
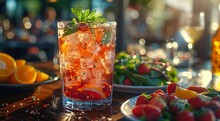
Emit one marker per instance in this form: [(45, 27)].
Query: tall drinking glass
[(192, 27), (86, 54)]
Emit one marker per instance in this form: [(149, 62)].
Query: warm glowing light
[(142, 41), (175, 45), (25, 36), (109, 1), (176, 61), (10, 35), (142, 51), (6, 24), (38, 24), (52, 1), (26, 19), (133, 13), (214, 26), (27, 25), (149, 20)]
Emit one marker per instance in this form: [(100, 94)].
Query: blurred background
[(28, 28)]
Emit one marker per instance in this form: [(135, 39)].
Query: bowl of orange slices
[(18, 74)]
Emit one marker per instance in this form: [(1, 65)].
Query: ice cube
[(86, 62), (71, 63), (109, 56), (70, 81), (85, 74), (70, 77), (108, 67), (98, 62), (72, 38), (85, 37), (96, 83), (73, 51), (93, 47), (98, 73)]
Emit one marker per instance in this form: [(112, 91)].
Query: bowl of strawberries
[(194, 103)]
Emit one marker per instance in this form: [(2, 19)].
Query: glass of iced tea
[(86, 55)]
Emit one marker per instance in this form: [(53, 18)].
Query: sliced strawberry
[(127, 82), (151, 112), (171, 88), (217, 98), (143, 69), (83, 26), (170, 98), (138, 110), (142, 99), (176, 106), (158, 102), (199, 101), (215, 107), (206, 115), (185, 116), (198, 89), (160, 93)]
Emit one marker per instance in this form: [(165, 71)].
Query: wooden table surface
[(44, 103)]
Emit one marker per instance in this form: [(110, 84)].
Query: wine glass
[(191, 28)]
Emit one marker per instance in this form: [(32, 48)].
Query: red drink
[(87, 64)]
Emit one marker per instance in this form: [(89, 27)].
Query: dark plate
[(53, 77)]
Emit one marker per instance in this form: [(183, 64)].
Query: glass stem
[(191, 59)]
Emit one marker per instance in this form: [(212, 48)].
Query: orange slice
[(7, 66), (93, 92), (12, 80), (25, 74), (184, 93), (41, 76), (20, 62)]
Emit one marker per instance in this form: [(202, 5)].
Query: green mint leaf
[(91, 15), (70, 29), (74, 21), (98, 15), (78, 13), (100, 19), (85, 15)]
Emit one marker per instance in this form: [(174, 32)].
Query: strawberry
[(206, 115), (199, 101), (151, 112), (170, 98), (185, 116), (171, 88), (159, 102), (198, 89), (143, 69), (176, 106), (215, 107), (217, 98), (138, 110), (83, 26), (160, 93), (142, 99), (127, 82)]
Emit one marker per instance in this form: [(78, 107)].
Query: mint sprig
[(85, 16)]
